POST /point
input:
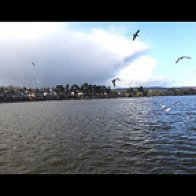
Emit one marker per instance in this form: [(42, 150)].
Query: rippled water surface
[(150, 135)]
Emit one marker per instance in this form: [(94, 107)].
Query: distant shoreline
[(94, 98), (11, 94)]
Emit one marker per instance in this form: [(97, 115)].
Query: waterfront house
[(80, 93), (139, 94)]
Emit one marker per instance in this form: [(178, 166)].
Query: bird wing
[(134, 36), (186, 57), (33, 64), (113, 81), (118, 79), (178, 60)]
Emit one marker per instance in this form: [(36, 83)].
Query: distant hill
[(145, 88), (185, 87), (158, 88)]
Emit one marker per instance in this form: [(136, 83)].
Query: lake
[(147, 135)]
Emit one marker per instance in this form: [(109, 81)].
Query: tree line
[(11, 93)]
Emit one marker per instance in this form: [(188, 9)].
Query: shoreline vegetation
[(86, 91)]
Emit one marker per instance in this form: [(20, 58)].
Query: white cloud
[(64, 55), (140, 72), (27, 30)]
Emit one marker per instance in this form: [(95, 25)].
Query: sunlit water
[(103, 136)]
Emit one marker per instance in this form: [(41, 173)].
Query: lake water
[(147, 135)]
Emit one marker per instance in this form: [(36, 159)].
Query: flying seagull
[(182, 57), (135, 34), (33, 64), (114, 80)]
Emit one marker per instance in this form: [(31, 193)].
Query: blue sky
[(96, 52), (168, 41)]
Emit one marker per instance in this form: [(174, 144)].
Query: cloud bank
[(63, 55)]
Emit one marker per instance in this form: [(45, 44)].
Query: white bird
[(182, 57), (162, 105), (165, 108), (168, 109)]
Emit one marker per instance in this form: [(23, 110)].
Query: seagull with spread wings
[(135, 34), (114, 81), (183, 57)]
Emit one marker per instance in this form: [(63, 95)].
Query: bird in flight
[(135, 34), (114, 81), (33, 64), (182, 57)]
